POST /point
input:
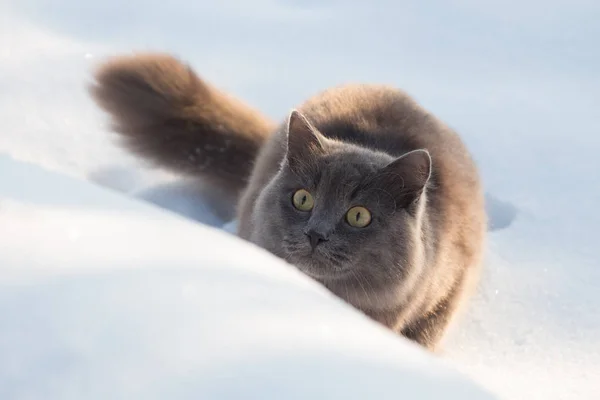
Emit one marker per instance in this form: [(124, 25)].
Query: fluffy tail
[(166, 114)]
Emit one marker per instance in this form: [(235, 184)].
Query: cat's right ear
[(304, 142)]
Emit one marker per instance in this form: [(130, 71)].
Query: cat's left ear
[(304, 142), (406, 177)]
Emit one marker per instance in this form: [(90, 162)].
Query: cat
[(360, 187)]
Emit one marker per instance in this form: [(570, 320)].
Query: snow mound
[(105, 297)]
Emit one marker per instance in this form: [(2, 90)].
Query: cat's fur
[(365, 145), (168, 116)]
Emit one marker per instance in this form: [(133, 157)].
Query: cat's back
[(383, 118)]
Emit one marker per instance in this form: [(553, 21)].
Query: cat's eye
[(358, 217), (303, 200)]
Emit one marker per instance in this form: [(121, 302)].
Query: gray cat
[(360, 188)]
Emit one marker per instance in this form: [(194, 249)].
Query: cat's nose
[(315, 237)]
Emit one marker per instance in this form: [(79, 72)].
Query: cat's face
[(345, 215)]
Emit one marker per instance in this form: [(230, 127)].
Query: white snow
[(102, 297), (100, 293)]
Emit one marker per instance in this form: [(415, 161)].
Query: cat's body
[(415, 248)]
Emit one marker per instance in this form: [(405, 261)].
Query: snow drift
[(103, 297)]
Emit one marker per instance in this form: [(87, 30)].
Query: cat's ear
[(304, 142), (406, 177)]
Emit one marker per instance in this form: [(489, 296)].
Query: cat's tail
[(167, 115)]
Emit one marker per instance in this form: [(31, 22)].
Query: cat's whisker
[(357, 277), (339, 260)]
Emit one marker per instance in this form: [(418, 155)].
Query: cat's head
[(344, 214)]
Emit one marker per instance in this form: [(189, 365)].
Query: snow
[(106, 297), (90, 277)]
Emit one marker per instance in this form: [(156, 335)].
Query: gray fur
[(375, 147)]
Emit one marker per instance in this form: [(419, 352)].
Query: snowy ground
[(103, 297), (520, 80)]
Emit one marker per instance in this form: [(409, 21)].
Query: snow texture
[(103, 297), (519, 81)]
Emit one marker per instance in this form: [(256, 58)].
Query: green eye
[(303, 200), (358, 217)]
